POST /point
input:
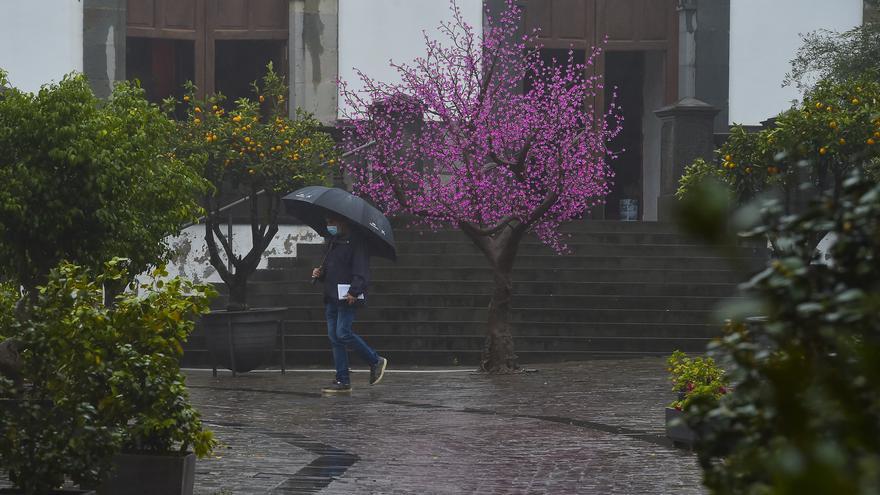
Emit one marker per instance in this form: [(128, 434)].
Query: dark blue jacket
[(348, 262)]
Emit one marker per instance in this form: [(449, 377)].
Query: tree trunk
[(500, 249), (237, 293), (498, 355)]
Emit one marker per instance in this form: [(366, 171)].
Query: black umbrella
[(312, 204)]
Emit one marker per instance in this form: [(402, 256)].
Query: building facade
[(729, 54)]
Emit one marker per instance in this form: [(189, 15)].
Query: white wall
[(764, 37), (40, 40), (373, 32), (191, 260)]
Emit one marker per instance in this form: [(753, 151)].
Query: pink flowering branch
[(481, 134)]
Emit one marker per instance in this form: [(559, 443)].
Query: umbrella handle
[(324, 260)]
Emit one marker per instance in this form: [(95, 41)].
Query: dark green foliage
[(836, 57), (835, 130), (98, 379), (695, 379), (84, 181), (804, 416)]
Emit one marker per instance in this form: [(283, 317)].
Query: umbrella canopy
[(312, 204)]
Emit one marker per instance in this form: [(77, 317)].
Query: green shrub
[(697, 173), (84, 180), (99, 379), (695, 379), (835, 130)]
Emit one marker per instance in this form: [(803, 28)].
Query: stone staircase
[(628, 289)]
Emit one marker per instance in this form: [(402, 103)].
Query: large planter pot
[(151, 474), (677, 429), (242, 340)]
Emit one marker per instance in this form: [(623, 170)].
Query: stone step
[(321, 357), (458, 300), (404, 249), (440, 313), (408, 329), (600, 237), (297, 288), (475, 343), (526, 274)]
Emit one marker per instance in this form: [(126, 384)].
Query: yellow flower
[(833, 125), (855, 101), (186, 98), (237, 118), (331, 162), (287, 141), (214, 108), (842, 141), (819, 106), (823, 150), (197, 121), (197, 110), (871, 142), (262, 99)]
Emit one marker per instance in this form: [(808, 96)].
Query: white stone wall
[(40, 40), (191, 259), (764, 38), (371, 33)]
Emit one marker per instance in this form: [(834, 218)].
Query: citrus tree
[(85, 180), (254, 146), (835, 130)]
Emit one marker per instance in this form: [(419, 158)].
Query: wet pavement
[(593, 427)]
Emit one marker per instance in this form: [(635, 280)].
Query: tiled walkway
[(594, 427)]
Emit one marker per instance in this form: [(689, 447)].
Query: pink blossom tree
[(482, 135)]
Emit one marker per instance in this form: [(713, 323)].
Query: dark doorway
[(161, 65), (625, 74), (239, 63)]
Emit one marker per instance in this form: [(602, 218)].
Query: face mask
[(333, 229)]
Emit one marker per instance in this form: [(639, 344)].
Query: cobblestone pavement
[(593, 427)]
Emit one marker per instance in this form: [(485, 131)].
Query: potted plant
[(693, 379), (251, 150), (100, 380)]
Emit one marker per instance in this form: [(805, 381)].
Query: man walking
[(346, 275)]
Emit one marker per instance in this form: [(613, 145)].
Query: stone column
[(687, 48), (314, 57), (687, 134), (104, 44)]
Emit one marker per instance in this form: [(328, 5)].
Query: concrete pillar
[(687, 134), (104, 44), (314, 57), (704, 54), (687, 48), (872, 12)]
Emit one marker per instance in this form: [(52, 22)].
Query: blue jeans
[(339, 319)]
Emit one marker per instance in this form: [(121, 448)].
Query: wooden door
[(205, 22)]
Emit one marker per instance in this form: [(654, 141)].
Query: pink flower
[(458, 142)]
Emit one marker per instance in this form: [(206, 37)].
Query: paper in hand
[(342, 289)]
